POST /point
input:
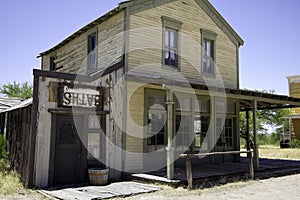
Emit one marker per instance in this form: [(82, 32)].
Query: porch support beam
[(170, 146), (248, 131), (255, 145)]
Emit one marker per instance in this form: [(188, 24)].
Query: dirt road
[(285, 188)]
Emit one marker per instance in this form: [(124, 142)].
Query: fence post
[(189, 174), (251, 164)]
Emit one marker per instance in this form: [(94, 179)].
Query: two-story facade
[(137, 87)]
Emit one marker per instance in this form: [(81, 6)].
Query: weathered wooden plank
[(120, 189), (189, 174)]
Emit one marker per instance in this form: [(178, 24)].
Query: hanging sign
[(84, 96)]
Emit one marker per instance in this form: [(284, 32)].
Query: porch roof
[(246, 97)]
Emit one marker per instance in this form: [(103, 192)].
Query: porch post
[(255, 145), (170, 147), (247, 131)]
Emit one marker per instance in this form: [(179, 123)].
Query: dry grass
[(278, 153), (10, 183), (12, 188)]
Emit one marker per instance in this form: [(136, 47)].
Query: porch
[(209, 175)]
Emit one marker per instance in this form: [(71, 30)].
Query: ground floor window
[(192, 123), (183, 132), (201, 130), (225, 131), (94, 137), (156, 120)]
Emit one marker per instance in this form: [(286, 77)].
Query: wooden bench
[(188, 158)]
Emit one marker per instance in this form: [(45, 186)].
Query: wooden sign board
[(84, 96)]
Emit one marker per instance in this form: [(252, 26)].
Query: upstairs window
[(208, 57), (52, 63), (92, 52), (171, 47), (171, 41), (208, 52)]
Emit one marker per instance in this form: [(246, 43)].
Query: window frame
[(207, 35), (171, 25), (157, 93), (89, 50), (52, 65)]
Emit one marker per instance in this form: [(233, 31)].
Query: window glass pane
[(151, 101), (205, 106), (208, 56), (231, 108), (183, 104), (94, 122), (208, 48), (172, 39), (220, 107), (160, 103), (156, 122), (94, 146), (170, 47), (167, 38), (166, 57), (186, 104), (197, 105)]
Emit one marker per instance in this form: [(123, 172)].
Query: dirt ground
[(287, 187)]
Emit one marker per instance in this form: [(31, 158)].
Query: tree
[(17, 90), (273, 118)]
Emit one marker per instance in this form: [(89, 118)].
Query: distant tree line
[(17, 90)]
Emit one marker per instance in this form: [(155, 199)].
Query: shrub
[(295, 144), (3, 152)]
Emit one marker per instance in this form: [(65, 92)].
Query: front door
[(70, 158), (225, 139)]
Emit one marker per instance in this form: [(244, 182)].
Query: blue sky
[(270, 29)]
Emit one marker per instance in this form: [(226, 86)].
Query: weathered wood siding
[(134, 142), (18, 129), (294, 91), (73, 55), (294, 88), (146, 43)]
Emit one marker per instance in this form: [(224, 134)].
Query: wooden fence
[(188, 158), (18, 127)]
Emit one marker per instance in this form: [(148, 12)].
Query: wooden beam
[(248, 130), (197, 155), (255, 145), (251, 169), (189, 174), (188, 157), (170, 147)]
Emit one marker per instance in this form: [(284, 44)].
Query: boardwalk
[(121, 189), (208, 174)]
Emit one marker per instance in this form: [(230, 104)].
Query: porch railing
[(188, 158)]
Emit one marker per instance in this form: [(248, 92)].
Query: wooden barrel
[(98, 176)]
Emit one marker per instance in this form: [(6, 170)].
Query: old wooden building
[(294, 91), (135, 89)]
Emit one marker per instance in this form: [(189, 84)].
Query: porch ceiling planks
[(264, 100)]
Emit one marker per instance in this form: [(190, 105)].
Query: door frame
[(54, 116)]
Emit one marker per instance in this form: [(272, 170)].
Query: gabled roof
[(205, 4)]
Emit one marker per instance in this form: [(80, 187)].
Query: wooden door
[(70, 160), (225, 141)]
